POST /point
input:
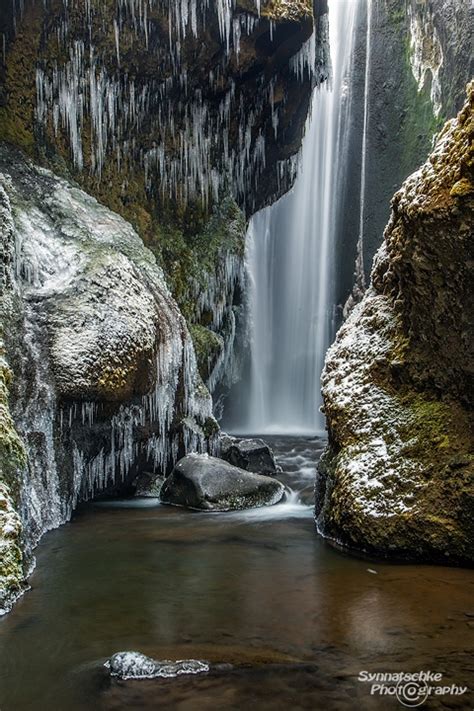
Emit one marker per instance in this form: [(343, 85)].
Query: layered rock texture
[(398, 476)]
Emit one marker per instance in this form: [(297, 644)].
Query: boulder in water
[(199, 481), (134, 665), (253, 455)]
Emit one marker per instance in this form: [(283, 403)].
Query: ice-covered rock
[(104, 371), (134, 665), (207, 483)]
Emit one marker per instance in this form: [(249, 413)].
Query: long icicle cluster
[(189, 153)]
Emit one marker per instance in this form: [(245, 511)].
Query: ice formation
[(191, 155), (133, 665), (98, 318)]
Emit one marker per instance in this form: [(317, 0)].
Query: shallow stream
[(292, 619)]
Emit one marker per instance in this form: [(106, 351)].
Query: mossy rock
[(398, 476), (279, 10), (208, 346), (12, 462)]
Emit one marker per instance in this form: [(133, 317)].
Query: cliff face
[(183, 100), (398, 476), (175, 115), (420, 59)]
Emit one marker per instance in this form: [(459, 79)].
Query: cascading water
[(290, 262)]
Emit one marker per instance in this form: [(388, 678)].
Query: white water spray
[(290, 260)]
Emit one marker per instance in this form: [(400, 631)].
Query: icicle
[(191, 158), (303, 64), (117, 41)]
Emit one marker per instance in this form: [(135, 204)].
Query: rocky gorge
[(110, 383), (181, 185)]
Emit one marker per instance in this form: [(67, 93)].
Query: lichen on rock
[(398, 475)]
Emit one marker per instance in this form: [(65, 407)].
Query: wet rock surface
[(253, 455), (211, 484)]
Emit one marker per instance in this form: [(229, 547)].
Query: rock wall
[(13, 457), (420, 60), (174, 115), (181, 98), (398, 476)]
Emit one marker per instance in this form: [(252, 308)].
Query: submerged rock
[(134, 665), (398, 476), (253, 455), (202, 482)]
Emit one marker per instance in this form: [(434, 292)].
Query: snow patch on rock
[(107, 376)]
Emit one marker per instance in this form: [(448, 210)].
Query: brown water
[(296, 619)]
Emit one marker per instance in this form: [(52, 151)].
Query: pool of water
[(292, 620)]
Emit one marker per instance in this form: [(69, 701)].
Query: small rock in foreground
[(134, 665)]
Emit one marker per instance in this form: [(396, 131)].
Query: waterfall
[(360, 272), (290, 260)]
